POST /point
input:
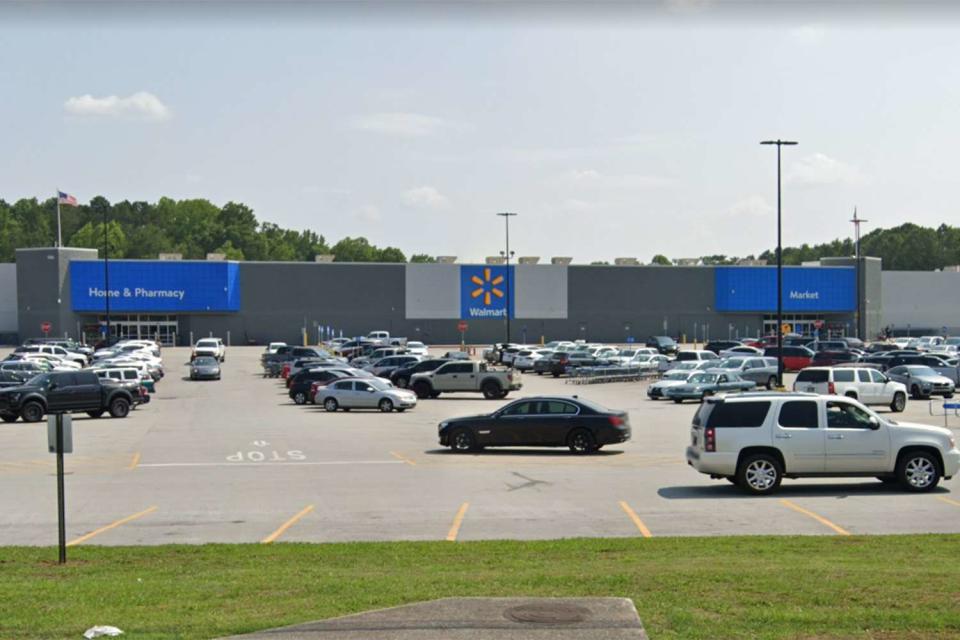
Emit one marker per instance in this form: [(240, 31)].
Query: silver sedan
[(367, 393)]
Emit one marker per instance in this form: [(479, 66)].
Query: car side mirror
[(370, 390), (874, 423)]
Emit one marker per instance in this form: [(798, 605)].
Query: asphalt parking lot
[(237, 461)]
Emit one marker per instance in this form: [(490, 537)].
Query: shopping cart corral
[(595, 375)]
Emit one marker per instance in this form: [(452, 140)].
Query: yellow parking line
[(949, 501), (636, 520), (134, 462), (400, 456), (112, 525), (286, 525), (457, 521), (817, 517)]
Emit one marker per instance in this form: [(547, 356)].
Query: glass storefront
[(162, 328)]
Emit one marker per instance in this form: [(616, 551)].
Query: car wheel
[(947, 396), (678, 400), (582, 442), (32, 412), (760, 474), (422, 389), (899, 402), (556, 374), (462, 441), (539, 373), (915, 392), (401, 383), (918, 471), (434, 394), (771, 383), (386, 405), (731, 479), (300, 397), (330, 404), (491, 390), (400, 410), (504, 394), (119, 408), (95, 414), (9, 417)]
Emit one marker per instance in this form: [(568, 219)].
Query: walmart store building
[(257, 302)]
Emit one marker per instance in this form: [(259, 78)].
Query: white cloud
[(425, 196), (141, 105), (593, 179), (406, 125), (369, 213), (750, 207), (820, 169)]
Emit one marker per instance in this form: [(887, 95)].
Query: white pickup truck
[(757, 439), (477, 377), (383, 338)]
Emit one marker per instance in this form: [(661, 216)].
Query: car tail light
[(710, 439), (143, 392), (616, 421), (831, 388), (510, 376)]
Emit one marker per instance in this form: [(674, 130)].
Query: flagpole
[(59, 238)]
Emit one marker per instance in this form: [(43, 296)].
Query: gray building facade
[(257, 302)]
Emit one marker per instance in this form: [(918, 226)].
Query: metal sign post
[(60, 441)]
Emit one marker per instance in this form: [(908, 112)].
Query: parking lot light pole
[(506, 219), (779, 144), (856, 225), (106, 274)]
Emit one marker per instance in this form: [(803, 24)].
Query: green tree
[(391, 254), (231, 252), (661, 260), (91, 236), (422, 258), (354, 250)]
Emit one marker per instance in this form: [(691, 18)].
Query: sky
[(612, 130)]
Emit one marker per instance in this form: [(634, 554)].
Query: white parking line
[(272, 465)]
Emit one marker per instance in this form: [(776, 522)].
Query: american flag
[(66, 198)]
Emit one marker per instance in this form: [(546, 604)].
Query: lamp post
[(779, 144), (856, 225), (507, 254), (106, 273)]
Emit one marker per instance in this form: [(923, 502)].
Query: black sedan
[(549, 421)]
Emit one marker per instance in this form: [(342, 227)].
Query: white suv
[(757, 439), (212, 347), (869, 386)]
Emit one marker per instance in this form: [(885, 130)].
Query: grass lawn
[(745, 587)]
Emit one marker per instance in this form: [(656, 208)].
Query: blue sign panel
[(805, 289), (484, 291), (148, 285)]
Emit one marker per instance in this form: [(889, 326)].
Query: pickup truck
[(383, 338), (477, 377), (64, 392)]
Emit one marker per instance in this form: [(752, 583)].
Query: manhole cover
[(548, 613)]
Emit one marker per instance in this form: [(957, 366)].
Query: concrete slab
[(478, 618)]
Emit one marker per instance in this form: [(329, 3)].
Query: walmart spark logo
[(485, 291), (486, 287)]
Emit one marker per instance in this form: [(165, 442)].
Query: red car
[(794, 358)]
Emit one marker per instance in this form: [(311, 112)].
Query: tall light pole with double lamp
[(779, 144), (856, 225), (507, 254)]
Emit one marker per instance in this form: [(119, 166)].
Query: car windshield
[(204, 362), (207, 343), (663, 340), (703, 377), (733, 363), (415, 345), (627, 353), (922, 371)]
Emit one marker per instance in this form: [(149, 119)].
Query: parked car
[(55, 350), (830, 358), (212, 347), (416, 348), (794, 358), (756, 440), (761, 371), (11, 379), (273, 347), (631, 357), (400, 376), (525, 359), (922, 381), (27, 367), (673, 378), (386, 366), (707, 383), (663, 344), (721, 345), (205, 368), (301, 389), (129, 375), (827, 345), (543, 421), (477, 377), (64, 392), (869, 386), (741, 350), (696, 355), (366, 393)]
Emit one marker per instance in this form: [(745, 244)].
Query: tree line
[(194, 228)]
